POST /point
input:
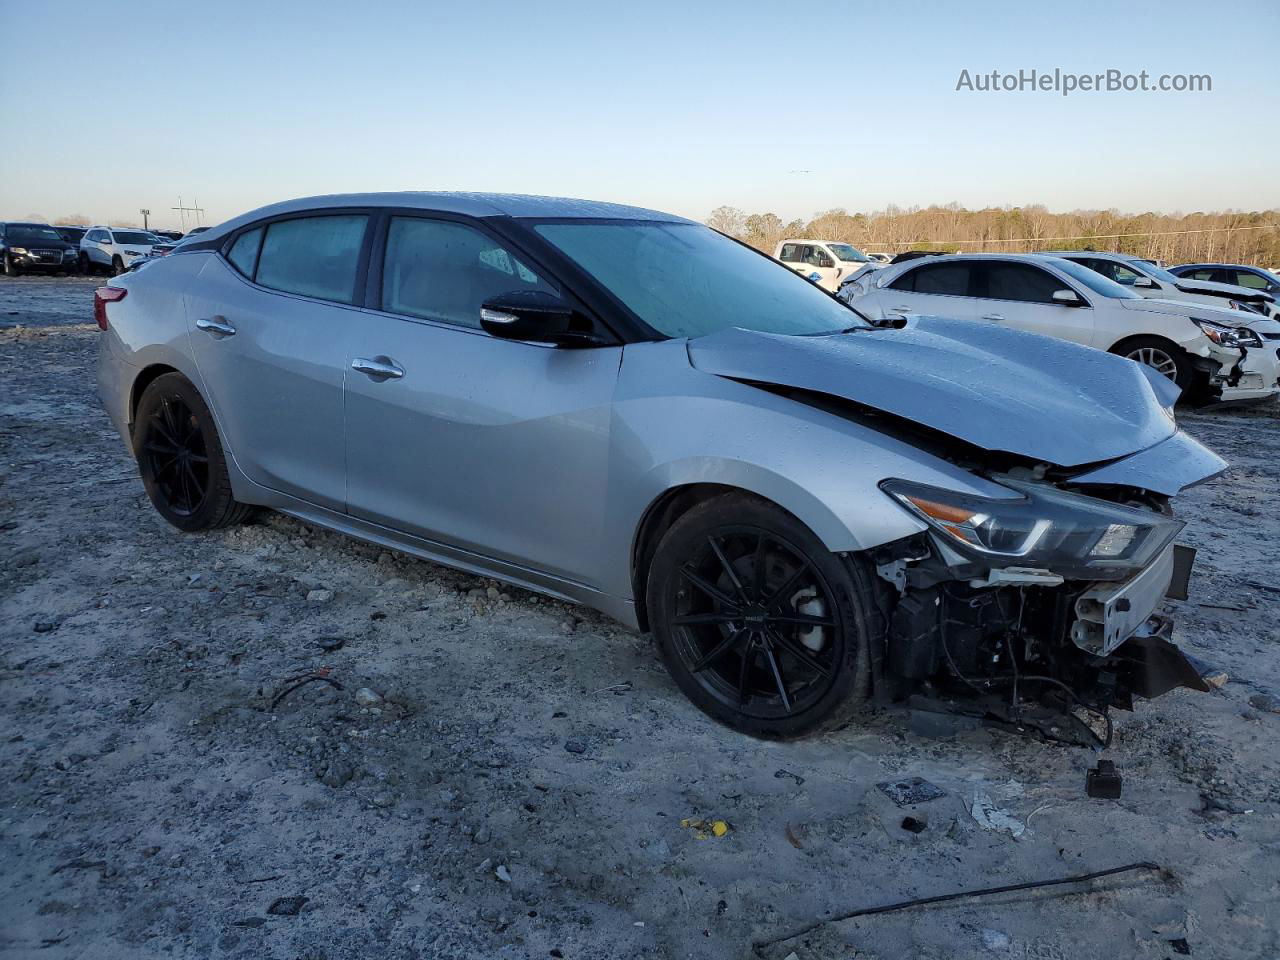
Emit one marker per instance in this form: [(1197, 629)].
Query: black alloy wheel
[(180, 457), (760, 625)]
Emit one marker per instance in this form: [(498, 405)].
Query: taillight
[(101, 297)]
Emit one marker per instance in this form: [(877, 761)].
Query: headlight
[(1075, 536), (21, 251), (1246, 307), (1225, 336)]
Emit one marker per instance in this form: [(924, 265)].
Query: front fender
[(674, 426)]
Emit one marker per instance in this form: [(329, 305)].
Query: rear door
[(269, 327), (1020, 295), (493, 446), (936, 287)]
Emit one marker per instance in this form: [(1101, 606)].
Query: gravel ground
[(479, 772)]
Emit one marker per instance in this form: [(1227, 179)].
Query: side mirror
[(534, 316), (1067, 298), (1144, 282)]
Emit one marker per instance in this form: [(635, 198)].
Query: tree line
[(1230, 236)]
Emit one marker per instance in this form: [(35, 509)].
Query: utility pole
[(146, 213), (196, 212)]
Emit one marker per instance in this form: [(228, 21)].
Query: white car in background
[(112, 249), (1153, 282), (825, 262), (1211, 353)]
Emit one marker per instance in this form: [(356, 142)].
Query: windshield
[(132, 236), (32, 235), (1151, 270), (848, 253), (685, 280), (1094, 280)]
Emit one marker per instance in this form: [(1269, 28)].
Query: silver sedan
[(625, 409)]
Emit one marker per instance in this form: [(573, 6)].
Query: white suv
[(113, 248), (1215, 353), (827, 263)]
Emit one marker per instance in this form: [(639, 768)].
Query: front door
[(494, 446), (1020, 295)]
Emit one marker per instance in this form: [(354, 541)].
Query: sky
[(682, 106)]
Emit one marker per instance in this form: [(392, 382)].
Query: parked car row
[(48, 248), (626, 409), (1208, 349)]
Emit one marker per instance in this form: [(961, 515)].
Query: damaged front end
[(1040, 611)]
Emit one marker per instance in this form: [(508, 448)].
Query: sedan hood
[(1186, 308), (1227, 290), (999, 389)]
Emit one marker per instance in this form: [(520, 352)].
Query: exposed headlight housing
[(1226, 336), (1246, 307), (1043, 527)]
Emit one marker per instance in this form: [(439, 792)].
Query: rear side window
[(444, 271), (244, 252), (790, 253), (947, 279), (313, 256)]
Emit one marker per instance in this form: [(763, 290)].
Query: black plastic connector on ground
[(1102, 782)]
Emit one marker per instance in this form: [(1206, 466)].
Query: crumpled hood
[(999, 389), (1214, 288)]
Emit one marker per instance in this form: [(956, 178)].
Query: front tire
[(760, 625), (1164, 357), (180, 457), (11, 268), (85, 266), (117, 266)]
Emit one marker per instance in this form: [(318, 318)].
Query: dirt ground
[(484, 773)]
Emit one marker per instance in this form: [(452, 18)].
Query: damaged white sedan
[(625, 409), (1212, 353)]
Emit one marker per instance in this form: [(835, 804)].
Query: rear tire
[(180, 457), (1163, 356), (759, 624)]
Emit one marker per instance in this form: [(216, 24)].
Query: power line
[(1098, 236)]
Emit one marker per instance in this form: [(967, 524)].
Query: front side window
[(1020, 281), (1094, 280), (444, 271), (1245, 279), (313, 256), (686, 280), (817, 257), (848, 253), (945, 279)]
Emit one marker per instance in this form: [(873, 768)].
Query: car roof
[(1224, 266), (1105, 255), (467, 204)]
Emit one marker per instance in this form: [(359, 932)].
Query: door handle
[(992, 316), (217, 326), (378, 369)]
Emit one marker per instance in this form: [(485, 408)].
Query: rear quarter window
[(243, 254)]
